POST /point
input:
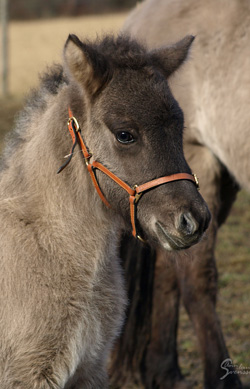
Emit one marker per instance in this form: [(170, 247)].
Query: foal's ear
[(88, 66), (169, 58)]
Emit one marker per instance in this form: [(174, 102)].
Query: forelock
[(122, 52)]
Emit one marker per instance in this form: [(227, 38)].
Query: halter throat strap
[(134, 193)]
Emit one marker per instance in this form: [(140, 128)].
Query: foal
[(62, 293)]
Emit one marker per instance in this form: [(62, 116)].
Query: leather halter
[(135, 192)]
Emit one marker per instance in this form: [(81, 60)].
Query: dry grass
[(36, 44)]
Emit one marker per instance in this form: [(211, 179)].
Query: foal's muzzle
[(187, 230)]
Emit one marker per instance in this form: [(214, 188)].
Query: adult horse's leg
[(198, 280), (162, 370)]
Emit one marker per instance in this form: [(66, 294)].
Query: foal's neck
[(100, 227)]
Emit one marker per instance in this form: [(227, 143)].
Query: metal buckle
[(196, 181), (141, 239), (73, 119), (87, 159), (137, 195)]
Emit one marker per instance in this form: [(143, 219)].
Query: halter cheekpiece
[(135, 192)]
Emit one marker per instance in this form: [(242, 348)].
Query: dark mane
[(53, 79), (122, 51), (50, 83)]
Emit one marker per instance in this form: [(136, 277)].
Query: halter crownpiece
[(135, 193)]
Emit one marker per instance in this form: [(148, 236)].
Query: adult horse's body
[(214, 90), (62, 296)]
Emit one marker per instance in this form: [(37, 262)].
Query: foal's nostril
[(187, 225)]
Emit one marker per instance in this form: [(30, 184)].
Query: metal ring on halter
[(74, 120), (196, 181), (137, 195)]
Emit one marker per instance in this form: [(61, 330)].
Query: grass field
[(34, 45)]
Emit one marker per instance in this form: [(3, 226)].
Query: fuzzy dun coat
[(213, 89), (62, 296)]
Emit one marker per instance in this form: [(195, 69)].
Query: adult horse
[(62, 295), (214, 90)]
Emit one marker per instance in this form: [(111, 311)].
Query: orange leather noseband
[(135, 192)]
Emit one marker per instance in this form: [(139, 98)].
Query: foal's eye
[(124, 137)]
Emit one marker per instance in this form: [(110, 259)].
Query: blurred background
[(35, 32), (37, 29), (33, 9)]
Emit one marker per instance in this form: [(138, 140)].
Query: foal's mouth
[(174, 242)]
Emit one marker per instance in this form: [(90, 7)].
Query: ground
[(33, 45)]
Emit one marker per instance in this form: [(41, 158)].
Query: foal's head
[(133, 125)]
